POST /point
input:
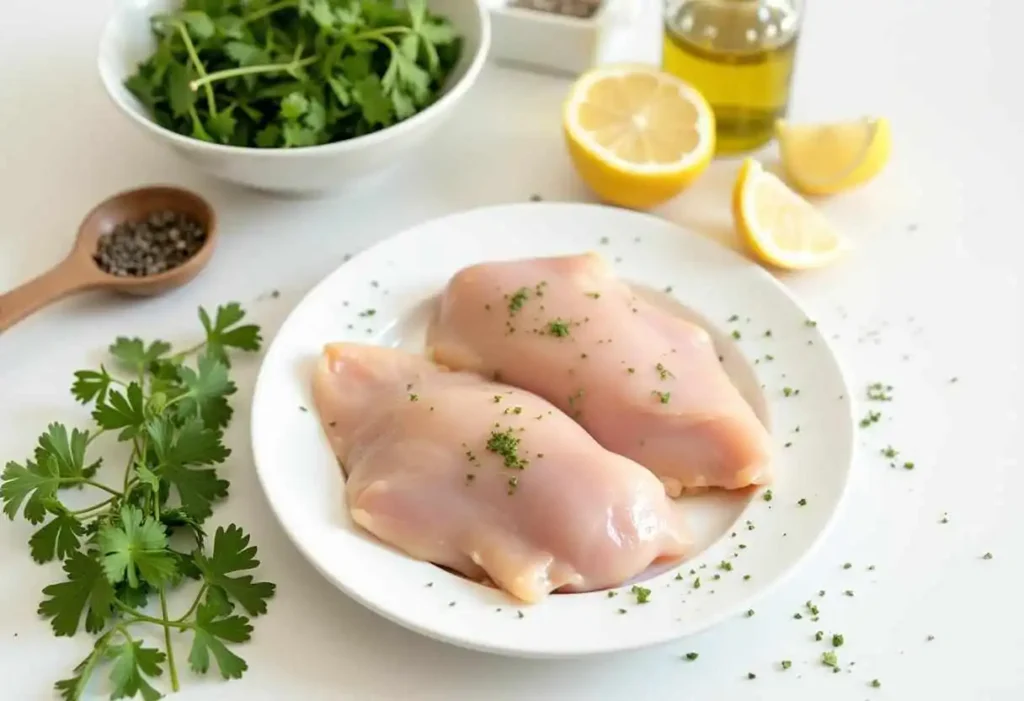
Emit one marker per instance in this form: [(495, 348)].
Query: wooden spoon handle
[(66, 278)]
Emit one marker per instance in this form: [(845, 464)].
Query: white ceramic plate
[(761, 540)]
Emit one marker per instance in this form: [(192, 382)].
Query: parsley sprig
[(290, 73), (143, 535)]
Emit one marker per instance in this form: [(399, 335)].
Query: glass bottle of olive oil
[(739, 54)]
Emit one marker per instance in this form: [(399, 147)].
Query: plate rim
[(603, 646)]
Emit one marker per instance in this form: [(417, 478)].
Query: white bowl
[(127, 40)]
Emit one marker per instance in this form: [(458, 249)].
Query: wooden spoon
[(79, 271)]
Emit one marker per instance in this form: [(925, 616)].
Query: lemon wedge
[(823, 159), (636, 135), (778, 226)]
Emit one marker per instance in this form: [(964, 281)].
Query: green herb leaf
[(207, 389), (122, 411), (57, 539), (132, 664), (90, 385), (369, 95), (135, 355), (30, 483), (212, 626), (225, 331), (135, 549), (232, 554), (86, 590)]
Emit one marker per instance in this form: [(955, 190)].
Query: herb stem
[(136, 616), (99, 432), (193, 607), (97, 654), (207, 79), (167, 641), (94, 507), (269, 10), (211, 102), (93, 483), (180, 356)]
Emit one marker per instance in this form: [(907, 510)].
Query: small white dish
[(762, 541), (557, 43), (128, 40)]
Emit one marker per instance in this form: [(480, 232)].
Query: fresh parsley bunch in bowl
[(292, 95)]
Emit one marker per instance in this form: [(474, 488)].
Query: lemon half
[(778, 226), (637, 135)]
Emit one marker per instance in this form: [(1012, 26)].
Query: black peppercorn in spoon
[(141, 242)]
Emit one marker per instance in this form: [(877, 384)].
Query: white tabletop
[(931, 293)]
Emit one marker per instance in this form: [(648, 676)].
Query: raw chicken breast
[(487, 480), (644, 383)]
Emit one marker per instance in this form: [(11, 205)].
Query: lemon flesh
[(823, 159), (636, 135), (779, 227)]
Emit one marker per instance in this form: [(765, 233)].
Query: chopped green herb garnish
[(875, 684), (612, 594), (558, 327), (517, 299), (837, 640), (889, 452), (908, 466), (414, 397), (768, 333), (691, 656), (663, 397), (506, 444), (643, 594), (696, 583), (802, 502), (750, 612), (810, 323), (767, 496), (847, 565), (879, 392), (829, 659), (734, 317), (725, 565), (679, 576), (986, 556), (848, 592), (367, 312), (798, 616), (786, 664), (819, 636), (746, 577), (871, 418), (751, 675), (812, 608), (663, 372), (736, 334), (513, 484)]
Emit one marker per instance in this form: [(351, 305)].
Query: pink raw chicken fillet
[(644, 383), (413, 441)]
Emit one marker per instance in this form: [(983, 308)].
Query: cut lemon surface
[(778, 226), (823, 159), (637, 135)]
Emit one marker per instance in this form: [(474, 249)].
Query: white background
[(931, 292)]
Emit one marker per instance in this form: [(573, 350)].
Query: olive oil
[(739, 55)]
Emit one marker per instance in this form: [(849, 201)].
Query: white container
[(551, 42), (127, 40)]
